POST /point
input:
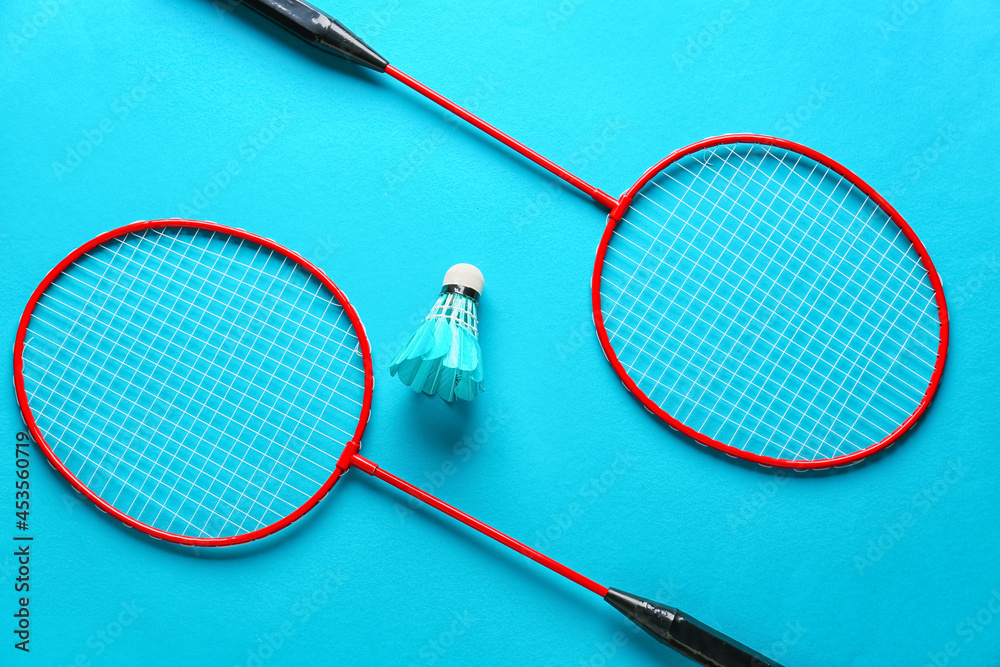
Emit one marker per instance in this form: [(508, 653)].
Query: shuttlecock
[(443, 356)]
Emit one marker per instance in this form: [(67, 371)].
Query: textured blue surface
[(186, 108)]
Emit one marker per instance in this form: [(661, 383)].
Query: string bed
[(199, 383), (764, 301)]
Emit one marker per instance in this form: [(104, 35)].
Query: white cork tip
[(465, 275)]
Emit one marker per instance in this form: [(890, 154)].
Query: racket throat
[(349, 457), (353, 459)]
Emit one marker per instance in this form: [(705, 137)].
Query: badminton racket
[(751, 292), (208, 387)]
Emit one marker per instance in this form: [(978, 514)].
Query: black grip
[(319, 29), (684, 634)]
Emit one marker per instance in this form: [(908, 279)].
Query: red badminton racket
[(752, 293), (208, 387)]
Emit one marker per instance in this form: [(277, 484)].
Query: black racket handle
[(319, 29), (686, 635)]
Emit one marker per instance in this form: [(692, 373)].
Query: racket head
[(634, 278), (189, 448)]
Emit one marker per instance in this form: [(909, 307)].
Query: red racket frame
[(623, 205), (36, 433), (618, 208), (349, 456)]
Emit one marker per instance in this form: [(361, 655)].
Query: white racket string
[(238, 406), (818, 241), (707, 304), (148, 462), (196, 382), (802, 321), (130, 443), (703, 247), (762, 299), (189, 461), (703, 250), (258, 321)]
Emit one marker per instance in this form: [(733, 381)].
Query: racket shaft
[(367, 466), (667, 625), (325, 32), (601, 197)]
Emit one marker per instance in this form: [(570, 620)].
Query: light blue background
[(384, 191)]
